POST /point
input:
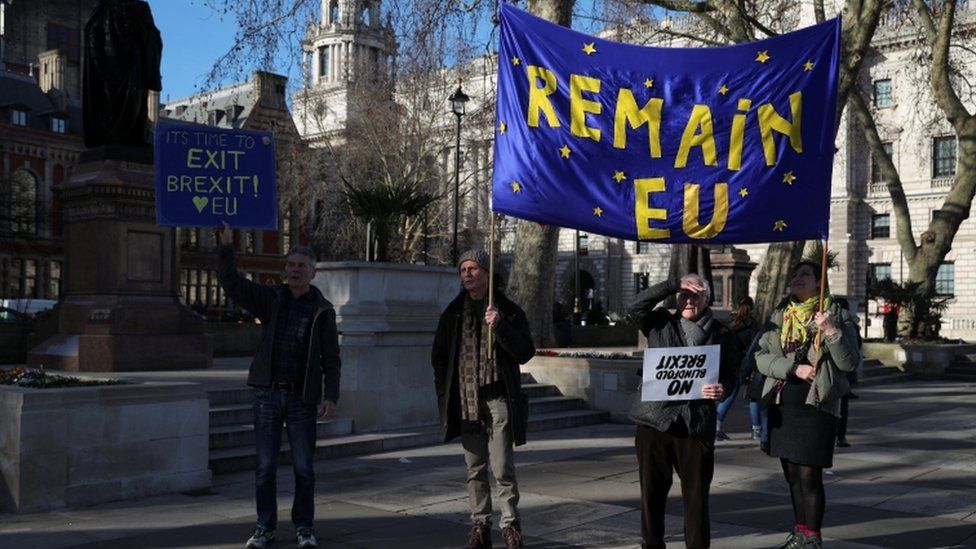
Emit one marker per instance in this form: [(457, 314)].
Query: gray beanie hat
[(478, 256)]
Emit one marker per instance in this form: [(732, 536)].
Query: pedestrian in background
[(744, 327)]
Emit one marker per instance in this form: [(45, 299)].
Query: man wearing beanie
[(481, 400)]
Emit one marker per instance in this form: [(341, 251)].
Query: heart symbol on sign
[(200, 202)]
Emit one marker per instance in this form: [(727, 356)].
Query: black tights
[(807, 493)]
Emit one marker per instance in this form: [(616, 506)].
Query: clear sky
[(193, 37)]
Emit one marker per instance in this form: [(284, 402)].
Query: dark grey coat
[(662, 328), (323, 365), (513, 347)]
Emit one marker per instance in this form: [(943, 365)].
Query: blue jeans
[(758, 415), (272, 409), (726, 405)]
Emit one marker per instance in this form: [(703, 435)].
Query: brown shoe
[(480, 536), (512, 536)]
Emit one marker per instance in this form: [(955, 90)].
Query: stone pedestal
[(387, 315), (120, 310)]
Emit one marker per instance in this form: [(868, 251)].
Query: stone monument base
[(121, 309), (123, 334)]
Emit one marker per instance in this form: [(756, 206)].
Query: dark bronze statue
[(122, 54)]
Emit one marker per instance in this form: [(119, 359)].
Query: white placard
[(678, 373)]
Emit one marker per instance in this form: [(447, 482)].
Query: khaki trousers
[(491, 445)]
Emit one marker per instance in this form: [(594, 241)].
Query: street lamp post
[(457, 99)]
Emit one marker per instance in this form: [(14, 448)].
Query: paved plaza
[(908, 481)]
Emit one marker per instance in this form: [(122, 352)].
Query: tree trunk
[(774, 275), (533, 279), (532, 282)]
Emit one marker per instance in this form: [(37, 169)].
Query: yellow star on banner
[(516, 187), (564, 151), (743, 192), (808, 66), (502, 127), (598, 211), (789, 178), (763, 56), (723, 90), (516, 61), (779, 225), (589, 49), (619, 176), (648, 82)]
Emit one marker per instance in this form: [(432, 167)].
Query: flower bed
[(37, 378), (585, 354)]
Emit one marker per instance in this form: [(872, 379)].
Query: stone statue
[(122, 54)]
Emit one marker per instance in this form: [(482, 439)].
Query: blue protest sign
[(206, 175)]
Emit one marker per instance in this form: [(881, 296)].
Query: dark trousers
[(658, 455), (272, 409)]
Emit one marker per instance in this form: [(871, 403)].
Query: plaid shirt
[(290, 350)]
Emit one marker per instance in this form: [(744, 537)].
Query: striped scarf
[(474, 368)]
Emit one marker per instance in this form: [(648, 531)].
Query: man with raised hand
[(295, 376)]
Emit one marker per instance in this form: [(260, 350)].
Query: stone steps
[(874, 373), (963, 368), (232, 430)]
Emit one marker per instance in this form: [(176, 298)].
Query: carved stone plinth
[(120, 310)]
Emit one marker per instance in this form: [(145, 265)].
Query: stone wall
[(387, 314), (87, 445), (610, 385)]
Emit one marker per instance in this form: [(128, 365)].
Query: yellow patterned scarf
[(798, 321)]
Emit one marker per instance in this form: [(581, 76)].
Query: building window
[(881, 226), (59, 125), (944, 157), (876, 175), (286, 232), (14, 271), (200, 287), (880, 271), (882, 93), (21, 206), (718, 292), (643, 247), (334, 11), (641, 281), (54, 280), (323, 61), (945, 279), (583, 243), (29, 285), (18, 117), (249, 241)]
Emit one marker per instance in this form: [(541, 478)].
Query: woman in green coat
[(803, 390)]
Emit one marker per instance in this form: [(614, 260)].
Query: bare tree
[(947, 61)]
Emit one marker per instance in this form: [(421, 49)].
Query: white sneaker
[(259, 539), (306, 538)]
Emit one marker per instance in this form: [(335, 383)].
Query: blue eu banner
[(206, 175), (693, 145)]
